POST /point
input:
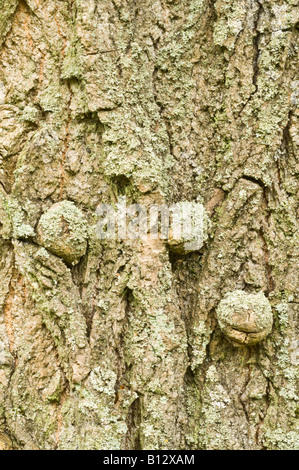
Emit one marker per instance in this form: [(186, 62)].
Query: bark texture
[(161, 101)]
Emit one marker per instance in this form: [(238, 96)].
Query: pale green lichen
[(13, 219), (230, 20), (281, 439), (71, 67), (130, 152), (215, 432), (50, 98), (7, 8), (283, 314), (30, 114)]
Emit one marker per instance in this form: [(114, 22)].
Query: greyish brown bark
[(161, 101)]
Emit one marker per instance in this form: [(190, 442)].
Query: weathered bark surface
[(161, 101)]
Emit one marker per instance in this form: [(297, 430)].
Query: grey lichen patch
[(230, 19), (13, 219), (12, 132), (62, 230), (20, 228), (129, 151), (245, 318), (193, 225)]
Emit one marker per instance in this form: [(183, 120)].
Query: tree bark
[(161, 101)]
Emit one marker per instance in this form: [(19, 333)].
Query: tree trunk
[(116, 343)]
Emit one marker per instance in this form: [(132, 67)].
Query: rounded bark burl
[(245, 318), (62, 230), (190, 227)]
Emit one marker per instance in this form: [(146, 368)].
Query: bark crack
[(59, 419), (66, 142), (242, 400), (256, 55), (286, 137), (8, 319), (133, 421), (262, 418)]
